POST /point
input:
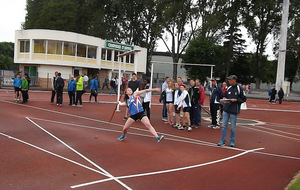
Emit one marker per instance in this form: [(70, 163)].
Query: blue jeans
[(233, 118), (195, 115), (113, 89)]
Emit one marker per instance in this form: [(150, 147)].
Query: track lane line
[(81, 155), (168, 171)]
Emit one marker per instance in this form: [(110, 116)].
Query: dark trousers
[(53, 95), (59, 95), (105, 85), (25, 95), (195, 115), (71, 97), (79, 97), (164, 112), (146, 106), (215, 114), (280, 100), (93, 93)]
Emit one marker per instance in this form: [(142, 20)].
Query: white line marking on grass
[(251, 128), (91, 162), (168, 171), (49, 152)]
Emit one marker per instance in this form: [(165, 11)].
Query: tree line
[(199, 31)]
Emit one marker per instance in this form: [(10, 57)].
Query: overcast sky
[(12, 14)]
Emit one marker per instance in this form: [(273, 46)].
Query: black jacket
[(60, 83), (194, 94), (234, 92), (216, 94)]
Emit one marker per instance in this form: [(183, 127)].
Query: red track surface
[(94, 144)]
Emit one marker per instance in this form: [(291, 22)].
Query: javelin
[(116, 106)]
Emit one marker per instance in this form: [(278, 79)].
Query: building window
[(127, 58), (109, 55), (132, 58), (121, 58), (39, 46), (103, 53), (92, 52), (81, 50), (116, 55), (69, 48), (54, 47), (24, 46)]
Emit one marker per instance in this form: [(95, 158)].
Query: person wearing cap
[(215, 95), (233, 98)]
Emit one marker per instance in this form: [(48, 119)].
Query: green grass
[(296, 185)]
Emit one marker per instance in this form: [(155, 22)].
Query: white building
[(42, 52)]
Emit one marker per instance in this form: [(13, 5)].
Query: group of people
[(21, 84), (175, 96), (272, 95), (76, 88)]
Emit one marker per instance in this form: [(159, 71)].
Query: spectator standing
[(71, 90), (53, 86), (215, 95), (169, 99), (194, 93), (162, 98), (94, 88), (147, 99), (272, 95), (113, 85), (105, 84), (124, 82), (224, 89), (185, 103), (177, 94), (280, 95), (60, 83), (235, 96), (79, 90), (17, 87), (85, 82), (24, 89)]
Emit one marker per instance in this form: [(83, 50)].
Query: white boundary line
[(116, 124), (267, 128), (251, 128), (170, 170), (49, 152), (91, 162)]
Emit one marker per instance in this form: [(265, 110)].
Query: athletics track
[(44, 146)]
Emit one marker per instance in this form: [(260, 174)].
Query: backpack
[(60, 83)]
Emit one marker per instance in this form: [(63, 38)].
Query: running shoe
[(175, 126), (231, 144), (221, 143), (122, 137), (125, 118), (159, 138), (189, 129), (211, 126), (180, 127), (216, 127)]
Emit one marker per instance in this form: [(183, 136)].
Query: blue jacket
[(94, 84), (72, 86), (17, 82), (235, 92), (216, 94)]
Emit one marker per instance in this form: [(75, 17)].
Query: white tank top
[(169, 95)]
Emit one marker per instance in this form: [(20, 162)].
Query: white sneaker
[(189, 129), (211, 126), (216, 127)]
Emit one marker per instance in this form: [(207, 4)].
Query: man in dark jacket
[(232, 101), (60, 83), (280, 95), (53, 86), (215, 95), (272, 94), (194, 93)]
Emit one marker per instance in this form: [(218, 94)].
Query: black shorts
[(138, 116), (187, 109), (17, 89), (177, 111), (169, 102)]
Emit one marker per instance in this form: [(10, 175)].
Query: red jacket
[(202, 95)]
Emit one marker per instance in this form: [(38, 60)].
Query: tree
[(177, 17), (204, 51), (6, 55), (261, 18)]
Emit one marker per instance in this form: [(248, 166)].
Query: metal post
[(282, 46), (211, 72), (151, 83), (118, 107)]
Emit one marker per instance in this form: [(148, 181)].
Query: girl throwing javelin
[(132, 100)]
